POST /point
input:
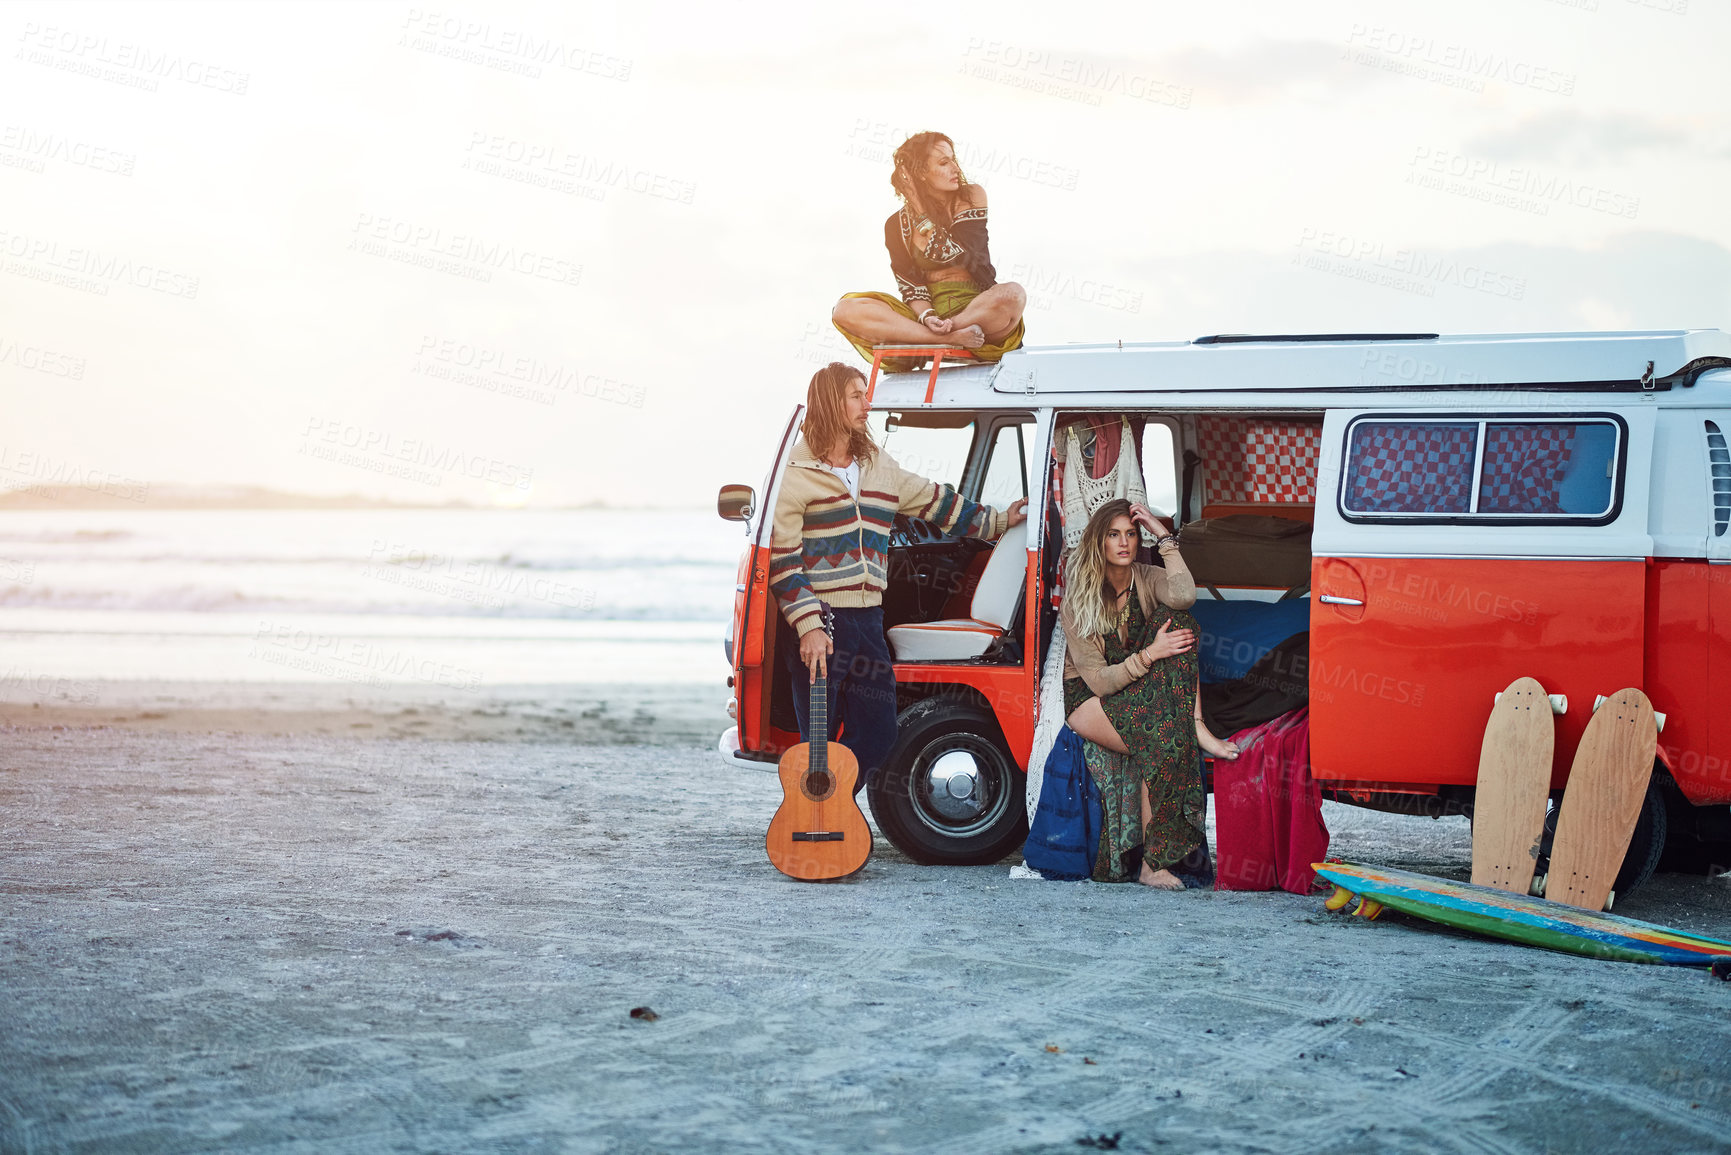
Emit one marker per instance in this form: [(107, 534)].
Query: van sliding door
[(1456, 551)]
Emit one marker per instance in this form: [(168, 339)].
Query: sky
[(549, 254)]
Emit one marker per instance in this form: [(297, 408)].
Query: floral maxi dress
[(1155, 715)]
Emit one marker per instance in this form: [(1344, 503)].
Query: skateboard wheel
[(1339, 898), (1609, 899), (1537, 889), (1369, 909)]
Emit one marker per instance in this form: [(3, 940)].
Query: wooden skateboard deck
[(1603, 799), (1514, 785), (1519, 918)]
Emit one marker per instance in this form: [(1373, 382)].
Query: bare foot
[(1214, 747), (971, 337), (1158, 879)]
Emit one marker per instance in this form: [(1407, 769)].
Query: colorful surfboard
[(1517, 917)]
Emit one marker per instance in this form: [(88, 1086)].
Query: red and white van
[(1474, 509)]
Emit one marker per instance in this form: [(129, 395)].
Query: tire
[(1695, 856), (1646, 844), (1699, 839), (941, 829)]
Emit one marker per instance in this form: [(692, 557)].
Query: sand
[(275, 939)]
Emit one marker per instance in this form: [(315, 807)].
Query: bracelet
[(1162, 542), (924, 315)]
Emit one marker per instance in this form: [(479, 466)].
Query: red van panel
[(1680, 673), (1010, 691), (1711, 780), (1400, 688)]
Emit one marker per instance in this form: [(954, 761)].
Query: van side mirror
[(736, 503)]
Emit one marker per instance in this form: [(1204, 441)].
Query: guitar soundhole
[(819, 784)]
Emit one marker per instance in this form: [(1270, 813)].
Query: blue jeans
[(862, 687)]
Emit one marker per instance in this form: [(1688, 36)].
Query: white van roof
[(1280, 368)]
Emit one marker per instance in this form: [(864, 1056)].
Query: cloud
[(1264, 70), (1577, 138)]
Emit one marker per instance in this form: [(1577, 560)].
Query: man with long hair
[(839, 497)]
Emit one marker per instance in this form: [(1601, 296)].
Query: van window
[(1007, 468), (1411, 467), (1159, 470), (1548, 467), (1492, 468)]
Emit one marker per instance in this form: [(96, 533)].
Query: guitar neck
[(817, 716)]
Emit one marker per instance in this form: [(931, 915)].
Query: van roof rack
[(937, 353), (1248, 338)]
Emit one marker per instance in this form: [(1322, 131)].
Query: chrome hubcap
[(953, 785), (960, 786)]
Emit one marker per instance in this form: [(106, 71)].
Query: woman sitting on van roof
[(1130, 690), (950, 294)]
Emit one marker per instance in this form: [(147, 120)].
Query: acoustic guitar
[(818, 834)]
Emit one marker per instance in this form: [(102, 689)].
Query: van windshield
[(936, 453)]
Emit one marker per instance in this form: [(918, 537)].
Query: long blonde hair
[(825, 418), (1086, 589)]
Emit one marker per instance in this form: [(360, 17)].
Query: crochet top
[(961, 247), (1083, 494)]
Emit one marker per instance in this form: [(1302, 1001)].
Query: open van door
[(1456, 551), (755, 613)]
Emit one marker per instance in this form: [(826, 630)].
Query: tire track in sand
[(1485, 1063), (1441, 1108)]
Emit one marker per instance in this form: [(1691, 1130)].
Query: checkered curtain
[(1410, 467), (1524, 467), (1250, 460)]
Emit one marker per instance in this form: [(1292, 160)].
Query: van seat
[(993, 607)]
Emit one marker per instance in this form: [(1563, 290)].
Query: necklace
[(1124, 610)]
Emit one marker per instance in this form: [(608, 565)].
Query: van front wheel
[(950, 793)]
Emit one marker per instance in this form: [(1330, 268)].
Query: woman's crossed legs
[(1089, 720)]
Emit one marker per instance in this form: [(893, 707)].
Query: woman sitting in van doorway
[(1130, 690), (950, 293)]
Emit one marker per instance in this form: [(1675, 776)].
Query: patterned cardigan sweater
[(827, 546)]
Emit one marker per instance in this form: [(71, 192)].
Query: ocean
[(459, 598)]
